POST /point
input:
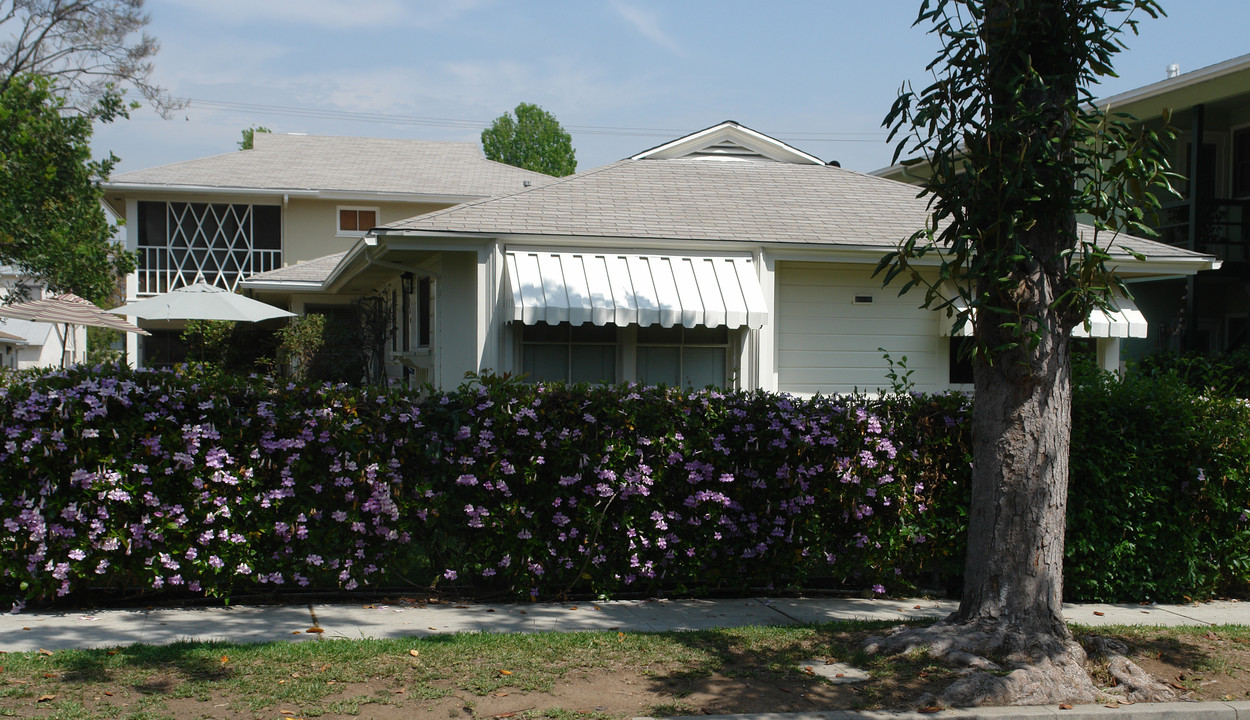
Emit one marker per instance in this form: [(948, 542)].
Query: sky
[(622, 76)]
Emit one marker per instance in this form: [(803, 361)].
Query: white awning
[(1125, 322), (629, 289)]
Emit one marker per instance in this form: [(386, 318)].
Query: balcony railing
[(1222, 230), (162, 269)]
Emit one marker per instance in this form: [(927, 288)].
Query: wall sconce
[(406, 283)]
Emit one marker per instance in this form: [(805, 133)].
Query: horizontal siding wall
[(827, 343)]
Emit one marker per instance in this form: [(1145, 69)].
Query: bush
[(210, 483), (1159, 491)]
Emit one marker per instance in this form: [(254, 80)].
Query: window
[(961, 360), (356, 221), (425, 311), (1241, 163), (681, 356), (585, 353), (182, 243)]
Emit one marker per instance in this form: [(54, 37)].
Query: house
[(25, 344), (1206, 311), (724, 257), (288, 200)]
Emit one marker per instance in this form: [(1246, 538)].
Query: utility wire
[(355, 116)]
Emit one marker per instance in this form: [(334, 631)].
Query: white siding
[(827, 343)]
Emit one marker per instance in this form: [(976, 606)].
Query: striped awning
[(1125, 322), (634, 289)]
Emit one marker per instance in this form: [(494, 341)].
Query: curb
[(1239, 710)]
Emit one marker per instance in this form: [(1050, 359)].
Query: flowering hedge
[(143, 481), (211, 483)]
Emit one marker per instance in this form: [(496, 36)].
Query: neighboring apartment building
[(288, 200), (1206, 312)]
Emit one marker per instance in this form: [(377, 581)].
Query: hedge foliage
[(199, 482)]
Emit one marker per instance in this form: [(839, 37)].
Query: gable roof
[(692, 199), (729, 141), (330, 166)]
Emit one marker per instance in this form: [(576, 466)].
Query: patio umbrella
[(201, 301), (67, 310)]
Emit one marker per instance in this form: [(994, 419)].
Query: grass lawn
[(569, 676)]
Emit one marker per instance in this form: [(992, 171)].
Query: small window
[(961, 360), (683, 357), (355, 222), (585, 353), (425, 311)]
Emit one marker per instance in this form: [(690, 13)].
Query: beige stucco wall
[(309, 226)]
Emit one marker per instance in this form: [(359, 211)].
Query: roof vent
[(525, 183), (1173, 70)]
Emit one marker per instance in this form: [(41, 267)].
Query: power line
[(416, 120)]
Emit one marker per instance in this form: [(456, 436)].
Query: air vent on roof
[(728, 150)]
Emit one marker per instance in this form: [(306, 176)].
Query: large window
[(680, 356), (219, 243), (585, 353)]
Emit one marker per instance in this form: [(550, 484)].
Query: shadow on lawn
[(748, 673)]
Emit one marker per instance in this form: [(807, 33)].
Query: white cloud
[(648, 24)]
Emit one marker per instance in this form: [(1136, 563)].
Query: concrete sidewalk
[(63, 630)]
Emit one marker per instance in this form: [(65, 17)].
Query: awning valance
[(1125, 322), (634, 289)]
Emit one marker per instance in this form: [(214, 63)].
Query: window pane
[(593, 364), (152, 227), (545, 363), (659, 365), (267, 227), (366, 219), (703, 366), (347, 220)]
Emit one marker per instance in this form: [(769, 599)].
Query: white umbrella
[(67, 309), (201, 301)]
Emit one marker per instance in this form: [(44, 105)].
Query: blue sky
[(621, 75)]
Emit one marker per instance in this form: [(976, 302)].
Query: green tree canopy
[(249, 136), (533, 140), (52, 224)]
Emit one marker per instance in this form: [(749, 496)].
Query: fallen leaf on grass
[(45, 698), (414, 653), (316, 630), (225, 659), (1212, 636), (44, 652), (286, 712), (620, 637), (505, 672), (106, 692), (112, 652)]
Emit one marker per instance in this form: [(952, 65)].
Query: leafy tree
[(249, 135), (87, 47), (52, 224), (1018, 151), (533, 140)]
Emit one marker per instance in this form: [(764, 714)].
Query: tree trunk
[(1021, 428)]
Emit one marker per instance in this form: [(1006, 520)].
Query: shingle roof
[(347, 164), (691, 199), (315, 270)]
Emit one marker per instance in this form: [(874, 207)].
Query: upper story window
[(182, 243), (1241, 163), (356, 221)]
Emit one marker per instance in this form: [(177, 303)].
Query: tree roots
[(1006, 666)]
